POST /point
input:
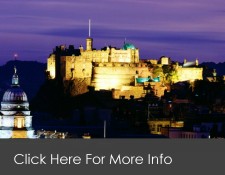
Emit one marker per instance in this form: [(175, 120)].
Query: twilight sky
[(177, 28)]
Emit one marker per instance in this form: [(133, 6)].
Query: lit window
[(19, 122)]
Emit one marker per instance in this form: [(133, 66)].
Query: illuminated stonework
[(115, 75), (15, 118), (108, 68), (80, 63), (113, 69), (51, 66), (190, 74)]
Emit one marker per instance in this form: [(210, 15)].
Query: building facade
[(15, 118)]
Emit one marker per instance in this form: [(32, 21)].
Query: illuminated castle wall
[(109, 69), (190, 74), (116, 75), (79, 65), (189, 71)]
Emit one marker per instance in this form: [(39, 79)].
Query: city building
[(157, 126), (15, 118)]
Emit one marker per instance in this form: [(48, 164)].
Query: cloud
[(176, 27), (141, 35)]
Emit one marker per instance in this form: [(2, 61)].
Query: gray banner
[(110, 156)]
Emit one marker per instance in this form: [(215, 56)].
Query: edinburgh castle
[(118, 70)]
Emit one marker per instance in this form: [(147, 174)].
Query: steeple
[(15, 78), (89, 29)]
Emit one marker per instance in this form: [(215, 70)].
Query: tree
[(170, 74), (157, 72)]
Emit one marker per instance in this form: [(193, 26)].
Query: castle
[(110, 68)]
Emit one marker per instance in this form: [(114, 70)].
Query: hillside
[(220, 67)]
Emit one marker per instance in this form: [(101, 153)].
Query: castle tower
[(89, 44), (89, 40), (15, 118)]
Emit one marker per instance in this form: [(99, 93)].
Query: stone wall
[(51, 66), (127, 56), (128, 91), (114, 75), (96, 55), (76, 67), (189, 74), (112, 55)]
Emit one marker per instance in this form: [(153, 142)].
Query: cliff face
[(76, 86)]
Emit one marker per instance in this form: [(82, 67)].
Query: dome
[(14, 94), (128, 46)]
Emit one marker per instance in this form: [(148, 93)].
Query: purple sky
[(177, 28)]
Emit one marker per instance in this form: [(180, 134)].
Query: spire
[(89, 29), (15, 78)]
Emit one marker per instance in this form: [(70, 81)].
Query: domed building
[(128, 46), (15, 118)]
